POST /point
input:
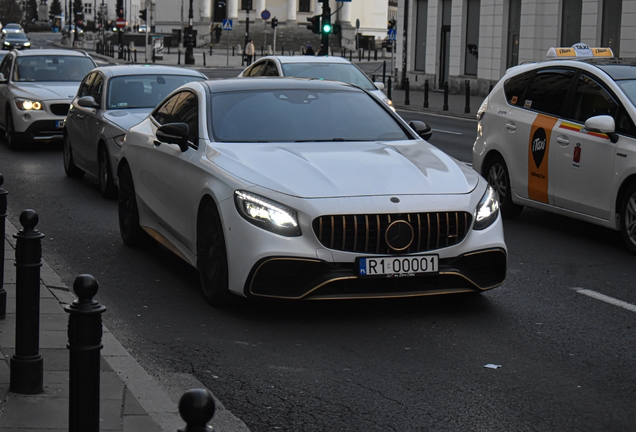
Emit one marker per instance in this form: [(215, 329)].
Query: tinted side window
[(625, 125), (515, 86), (96, 88), (547, 91), (86, 85), (591, 99), (163, 113), (186, 110), (270, 70), (257, 70), (5, 66)]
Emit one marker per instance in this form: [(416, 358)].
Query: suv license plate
[(398, 266), (59, 124)]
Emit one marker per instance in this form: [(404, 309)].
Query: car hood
[(46, 90), (342, 169), (126, 119)]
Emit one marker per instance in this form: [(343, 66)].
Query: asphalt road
[(564, 360)]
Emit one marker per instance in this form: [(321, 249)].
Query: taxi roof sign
[(579, 50)]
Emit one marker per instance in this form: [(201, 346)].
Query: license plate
[(398, 266), (59, 124)]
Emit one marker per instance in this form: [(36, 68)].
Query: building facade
[(477, 40)]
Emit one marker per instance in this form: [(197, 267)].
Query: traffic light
[(336, 29), (315, 24), (143, 14), (274, 22), (326, 24)]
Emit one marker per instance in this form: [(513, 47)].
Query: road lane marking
[(606, 299)]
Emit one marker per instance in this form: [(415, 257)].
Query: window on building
[(611, 29), (571, 22), (304, 5), (472, 37), (88, 8), (514, 29), (246, 4)]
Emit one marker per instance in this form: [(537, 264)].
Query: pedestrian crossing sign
[(227, 24)]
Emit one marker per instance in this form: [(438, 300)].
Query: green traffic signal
[(326, 28)]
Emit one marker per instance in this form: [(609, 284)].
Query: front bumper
[(42, 130), (41, 125), (313, 279)]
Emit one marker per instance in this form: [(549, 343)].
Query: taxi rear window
[(515, 86)]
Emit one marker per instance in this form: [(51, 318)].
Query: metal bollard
[(84, 344), (373, 78), (384, 72), (388, 87), (360, 54), (203, 58), (135, 55), (369, 55), (262, 51), (467, 86), (27, 365), (445, 107), (233, 50), (407, 92), (3, 217), (375, 54), (210, 49), (350, 54), (426, 94), (282, 51), (196, 408), (179, 57)]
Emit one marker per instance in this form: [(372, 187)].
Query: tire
[(10, 135), (212, 257), (131, 232), (69, 166), (628, 218), (497, 175), (105, 174)]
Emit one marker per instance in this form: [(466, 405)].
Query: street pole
[(147, 28), (405, 25), (103, 30), (324, 39), (189, 54)]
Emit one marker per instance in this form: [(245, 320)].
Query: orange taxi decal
[(538, 147), (579, 128)]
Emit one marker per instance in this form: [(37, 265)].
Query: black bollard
[(196, 408), (384, 72), (203, 58), (360, 54), (407, 92), (467, 107), (375, 54), (426, 94), (178, 57), (373, 78), (84, 344), (3, 217), (262, 51), (210, 49), (282, 51), (388, 87), (445, 107), (350, 54), (27, 365), (135, 55)]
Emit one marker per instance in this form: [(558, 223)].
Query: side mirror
[(422, 129), (174, 133), (87, 102), (602, 124), (379, 85), (3, 80)]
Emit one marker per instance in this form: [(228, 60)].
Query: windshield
[(143, 91), (629, 88), (12, 27), (16, 36), (43, 68), (344, 72), (301, 115)]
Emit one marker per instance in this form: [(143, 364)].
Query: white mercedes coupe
[(306, 189)]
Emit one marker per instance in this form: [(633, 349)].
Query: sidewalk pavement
[(222, 58), (131, 400)]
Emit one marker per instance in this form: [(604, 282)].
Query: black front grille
[(366, 233), (60, 109)]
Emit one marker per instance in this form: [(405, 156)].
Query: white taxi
[(560, 136)]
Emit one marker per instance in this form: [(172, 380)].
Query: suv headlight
[(267, 214), (28, 105), (487, 210)]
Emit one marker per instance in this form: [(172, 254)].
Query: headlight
[(28, 105), (6, 43), (27, 44), (487, 210), (267, 214), (119, 140)]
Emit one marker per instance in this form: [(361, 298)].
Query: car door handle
[(80, 116), (563, 141), (511, 127)]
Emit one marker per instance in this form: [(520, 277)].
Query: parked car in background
[(560, 136), (12, 28), (306, 189), (15, 41), (321, 67), (110, 100), (36, 90)]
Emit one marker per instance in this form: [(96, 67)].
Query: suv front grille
[(60, 109), (367, 233)]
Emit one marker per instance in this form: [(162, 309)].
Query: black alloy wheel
[(497, 175), (70, 168), (131, 232), (212, 257), (106, 183), (628, 218)]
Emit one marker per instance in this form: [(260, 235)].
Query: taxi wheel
[(212, 257), (10, 137), (131, 232), (497, 175), (70, 168), (628, 218), (106, 183)]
